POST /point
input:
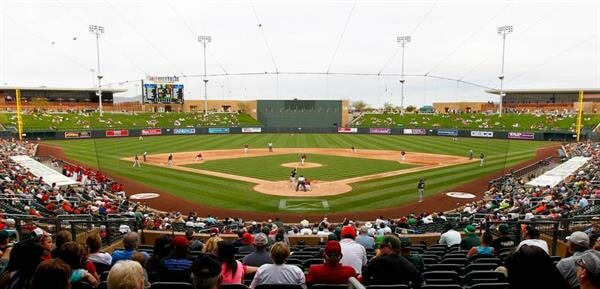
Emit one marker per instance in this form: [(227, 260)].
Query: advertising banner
[(447, 132), (478, 133), (417, 131), (152, 131), (380, 130), (521, 135), (77, 134), (347, 130), (117, 133), (251, 129), (184, 131), (218, 130)]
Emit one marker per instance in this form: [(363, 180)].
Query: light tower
[(205, 40), (402, 40), (98, 30), (503, 30)]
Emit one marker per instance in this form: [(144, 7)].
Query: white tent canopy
[(554, 176), (49, 175)]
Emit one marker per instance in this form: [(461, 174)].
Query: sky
[(304, 49)]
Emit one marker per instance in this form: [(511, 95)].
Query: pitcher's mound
[(318, 189), (306, 165)]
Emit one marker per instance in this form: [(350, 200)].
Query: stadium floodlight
[(205, 40), (503, 30), (402, 40), (98, 30)]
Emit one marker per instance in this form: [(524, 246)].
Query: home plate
[(144, 196), (460, 195)]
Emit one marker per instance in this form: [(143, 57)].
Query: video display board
[(163, 93)]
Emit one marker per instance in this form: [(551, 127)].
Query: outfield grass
[(511, 122), (237, 195), (269, 167), (79, 121)]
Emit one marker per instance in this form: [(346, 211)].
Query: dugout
[(302, 113)]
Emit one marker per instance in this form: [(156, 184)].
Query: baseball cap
[(405, 242), (333, 248), (580, 239), (391, 241), (39, 232), (503, 229), (348, 231), (206, 266), (470, 229), (180, 241), (260, 239), (590, 260), (214, 232), (247, 238)]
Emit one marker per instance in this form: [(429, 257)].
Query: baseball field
[(372, 178)]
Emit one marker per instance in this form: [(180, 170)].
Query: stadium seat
[(490, 286), (479, 277), (441, 286), (278, 286), (329, 286), (441, 277), (429, 261), (313, 261), (233, 286), (395, 286), (443, 267), (171, 285), (459, 261), (480, 267), (491, 260)]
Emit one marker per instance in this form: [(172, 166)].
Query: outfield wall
[(117, 133)]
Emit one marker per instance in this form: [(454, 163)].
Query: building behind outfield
[(549, 99), (57, 98)]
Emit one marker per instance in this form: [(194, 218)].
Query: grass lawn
[(269, 167), (237, 195)]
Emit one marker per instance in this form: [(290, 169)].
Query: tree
[(388, 107), (360, 105), (411, 108), (243, 106)]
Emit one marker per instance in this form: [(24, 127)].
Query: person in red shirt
[(331, 272)]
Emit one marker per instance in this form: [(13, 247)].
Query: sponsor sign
[(163, 79), (417, 131), (152, 131), (521, 135), (218, 130), (447, 132), (117, 133), (478, 133), (77, 134), (380, 130), (251, 129), (184, 131), (347, 130)]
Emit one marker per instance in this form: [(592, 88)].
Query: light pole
[(98, 30), (205, 40), (402, 40), (503, 30)]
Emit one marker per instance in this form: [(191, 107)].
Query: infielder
[(270, 145), (421, 189), (170, 160), (470, 154), (481, 157), (245, 149), (353, 149), (402, 155), (145, 155), (136, 162), (198, 157)]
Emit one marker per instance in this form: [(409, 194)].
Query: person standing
[(353, 149), (136, 162), (302, 159), (293, 176), (245, 148), (170, 160), (145, 155), (481, 157), (301, 182), (402, 155), (270, 145), (421, 189), (198, 157), (470, 154)]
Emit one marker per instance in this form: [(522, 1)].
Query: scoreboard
[(160, 92)]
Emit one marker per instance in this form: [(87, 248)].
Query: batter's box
[(303, 205)]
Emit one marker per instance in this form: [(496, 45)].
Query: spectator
[(279, 272), (4, 248), (364, 239), (415, 259), (331, 272), (206, 272), (126, 274), (389, 268), (63, 236), (195, 244), (130, 243), (44, 239), (578, 243), (247, 247), (484, 248), (177, 266), (232, 270), (52, 274), (588, 270), (532, 238), (353, 253), (161, 249), (450, 237), (471, 240), (211, 245), (75, 254), (260, 256), (531, 267), (139, 257), (24, 258), (504, 241), (101, 260)]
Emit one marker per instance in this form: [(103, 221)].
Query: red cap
[(333, 248), (247, 238), (348, 230), (214, 231), (180, 241)]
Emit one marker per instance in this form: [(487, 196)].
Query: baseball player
[(145, 155), (470, 154), (198, 157), (246, 149), (170, 160), (136, 162), (421, 189), (302, 159), (301, 182), (270, 145), (481, 158), (293, 176), (402, 155), (353, 149)]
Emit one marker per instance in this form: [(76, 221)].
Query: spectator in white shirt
[(450, 237), (531, 236), (353, 253)]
